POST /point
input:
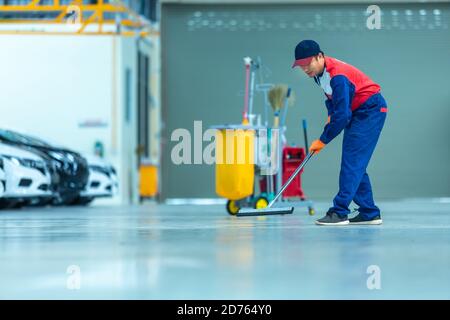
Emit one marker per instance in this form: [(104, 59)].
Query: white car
[(26, 175), (102, 181)]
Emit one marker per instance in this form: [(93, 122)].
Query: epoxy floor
[(199, 252)]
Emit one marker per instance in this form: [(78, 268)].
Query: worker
[(355, 106)]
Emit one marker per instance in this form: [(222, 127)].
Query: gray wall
[(203, 79)]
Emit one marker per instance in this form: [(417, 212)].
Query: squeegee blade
[(246, 212)]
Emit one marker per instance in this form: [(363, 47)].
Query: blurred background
[(409, 57), (116, 78)]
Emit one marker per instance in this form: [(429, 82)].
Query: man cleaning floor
[(356, 106)]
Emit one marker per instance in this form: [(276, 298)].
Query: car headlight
[(60, 160), (28, 163), (14, 160), (56, 155), (103, 170)]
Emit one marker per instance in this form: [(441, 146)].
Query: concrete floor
[(188, 252)]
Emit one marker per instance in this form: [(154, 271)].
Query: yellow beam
[(131, 23), (58, 33), (60, 17), (53, 33), (97, 14), (88, 21), (84, 7), (47, 22)]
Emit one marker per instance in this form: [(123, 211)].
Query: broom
[(279, 96)]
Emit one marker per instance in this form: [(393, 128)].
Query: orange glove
[(316, 146)]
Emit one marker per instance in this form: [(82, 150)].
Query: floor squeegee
[(270, 210)]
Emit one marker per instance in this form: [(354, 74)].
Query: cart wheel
[(261, 203), (232, 207), (311, 211)]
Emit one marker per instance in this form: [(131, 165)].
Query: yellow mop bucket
[(235, 169), (148, 180)]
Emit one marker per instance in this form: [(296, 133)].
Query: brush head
[(277, 97)]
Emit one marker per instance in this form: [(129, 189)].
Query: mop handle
[(247, 62), (286, 102), (247, 79), (305, 133), (251, 93), (292, 177)]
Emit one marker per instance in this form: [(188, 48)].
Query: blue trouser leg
[(360, 139), (364, 199)]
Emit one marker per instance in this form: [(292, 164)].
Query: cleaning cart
[(252, 159)]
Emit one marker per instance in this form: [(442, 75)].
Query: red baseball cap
[(302, 62)]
